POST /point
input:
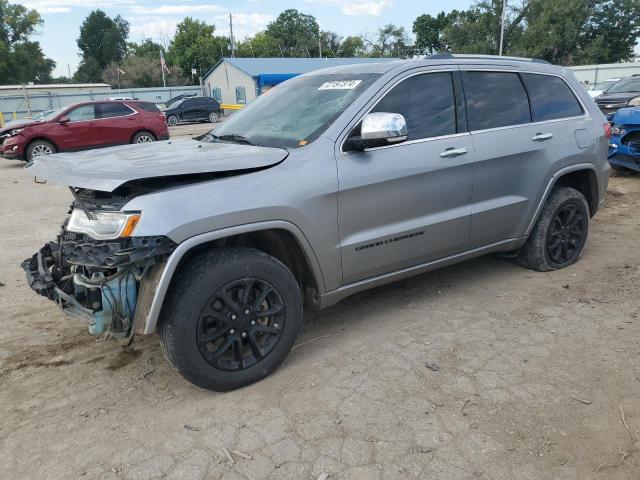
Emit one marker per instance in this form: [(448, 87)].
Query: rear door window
[(82, 113), (495, 99), (550, 97), (109, 110), (427, 103)]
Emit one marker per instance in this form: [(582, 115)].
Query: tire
[(39, 148), (173, 120), (558, 237), (197, 321), (214, 117), (143, 137)]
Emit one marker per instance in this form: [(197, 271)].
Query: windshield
[(294, 113), (604, 85), (176, 103), (627, 85), (47, 115)]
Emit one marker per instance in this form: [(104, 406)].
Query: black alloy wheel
[(240, 324), (566, 234)]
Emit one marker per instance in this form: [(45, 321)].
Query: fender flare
[(552, 181), (173, 261)]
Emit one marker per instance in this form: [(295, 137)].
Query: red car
[(84, 126)]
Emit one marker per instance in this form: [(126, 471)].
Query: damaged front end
[(97, 279)]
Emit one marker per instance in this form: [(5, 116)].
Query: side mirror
[(63, 120), (379, 129)]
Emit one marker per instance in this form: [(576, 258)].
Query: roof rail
[(445, 56)]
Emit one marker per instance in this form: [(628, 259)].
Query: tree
[(294, 33), (195, 46), (21, 60), (389, 41), (429, 32), (146, 48), (140, 71), (352, 47), (567, 32), (102, 40)]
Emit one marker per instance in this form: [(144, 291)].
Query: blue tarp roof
[(291, 66)]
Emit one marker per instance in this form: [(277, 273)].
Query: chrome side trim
[(174, 260), (334, 296)]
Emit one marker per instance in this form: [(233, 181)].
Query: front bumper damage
[(98, 280)]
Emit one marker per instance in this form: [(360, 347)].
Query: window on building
[(427, 103), (495, 99), (550, 97), (216, 93), (241, 95)]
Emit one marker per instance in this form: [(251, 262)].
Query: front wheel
[(231, 318), (39, 148), (559, 236), (173, 120), (214, 117)]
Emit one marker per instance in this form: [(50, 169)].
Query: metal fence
[(18, 106)]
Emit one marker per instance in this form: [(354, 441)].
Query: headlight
[(104, 225), (15, 131), (634, 102)]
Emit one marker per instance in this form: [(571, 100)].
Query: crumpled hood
[(16, 124), (108, 168)]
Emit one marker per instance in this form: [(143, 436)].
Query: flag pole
[(164, 83), (504, 11)]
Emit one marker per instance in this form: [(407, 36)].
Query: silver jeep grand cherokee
[(334, 182)]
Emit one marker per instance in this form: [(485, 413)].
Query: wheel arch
[(582, 177), (41, 137), (281, 239)]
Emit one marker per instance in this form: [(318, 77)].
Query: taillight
[(607, 130)]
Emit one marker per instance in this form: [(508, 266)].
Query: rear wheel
[(231, 318), (143, 137), (214, 117), (39, 148), (172, 120), (559, 236)]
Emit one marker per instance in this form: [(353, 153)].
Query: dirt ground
[(482, 370)]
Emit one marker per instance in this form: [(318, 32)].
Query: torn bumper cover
[(97, 281)]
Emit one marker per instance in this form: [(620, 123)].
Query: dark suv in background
[(193, 109), (624, 93)]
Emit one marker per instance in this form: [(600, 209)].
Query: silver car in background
[(334, 182)]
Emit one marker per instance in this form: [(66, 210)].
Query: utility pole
[(231, 40), (504, 11), (69, 70), (320, 44), (27, 100)]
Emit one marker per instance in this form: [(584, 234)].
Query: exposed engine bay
[(97, 280)]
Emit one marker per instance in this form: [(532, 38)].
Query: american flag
[(163, 64)]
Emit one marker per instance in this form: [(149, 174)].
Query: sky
[(157, 19)]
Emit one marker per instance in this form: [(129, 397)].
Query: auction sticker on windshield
[(340, 85)]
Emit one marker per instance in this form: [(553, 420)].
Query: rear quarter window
[(495, 99), (550, 97)]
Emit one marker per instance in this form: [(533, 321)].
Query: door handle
[(453, 152), (540, 137)]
